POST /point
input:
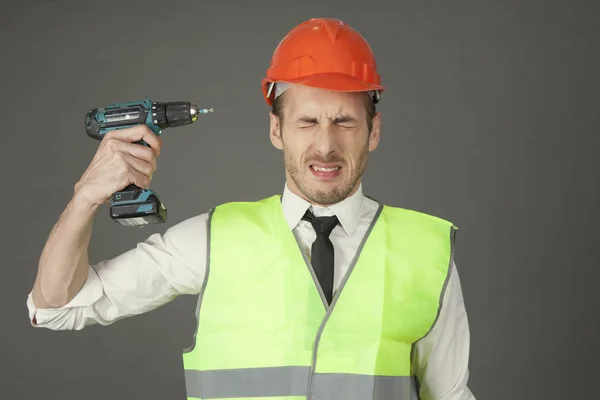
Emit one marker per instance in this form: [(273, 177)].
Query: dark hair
[(277, 109)]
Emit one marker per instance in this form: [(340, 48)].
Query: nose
[(325, 140)]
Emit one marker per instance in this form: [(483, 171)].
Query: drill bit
[(194, 111)]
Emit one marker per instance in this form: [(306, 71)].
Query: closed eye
[(345, 121), (307, 122)]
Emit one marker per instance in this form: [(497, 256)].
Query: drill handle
[(132, 187), (142, 143)]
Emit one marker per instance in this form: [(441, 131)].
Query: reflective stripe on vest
[(285, 382), (264, 331)]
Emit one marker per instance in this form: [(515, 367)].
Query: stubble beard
[(330, 196)]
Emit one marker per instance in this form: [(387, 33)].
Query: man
[(321, 293)]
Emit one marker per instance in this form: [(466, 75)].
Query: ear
[(275, 131), (374, 136)]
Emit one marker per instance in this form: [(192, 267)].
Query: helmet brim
[(330, 81), (336, 82)]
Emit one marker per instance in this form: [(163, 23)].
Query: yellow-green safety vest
[(265, 331)]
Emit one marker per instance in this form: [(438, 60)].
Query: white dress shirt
[(167, 265)]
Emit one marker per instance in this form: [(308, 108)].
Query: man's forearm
[(63, 266), (441, 358)]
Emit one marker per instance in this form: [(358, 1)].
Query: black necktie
[(322, 251)]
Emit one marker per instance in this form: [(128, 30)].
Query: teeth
[(325, 169)]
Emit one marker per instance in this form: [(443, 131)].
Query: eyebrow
[(339, 119)]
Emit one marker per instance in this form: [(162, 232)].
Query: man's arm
[(68, 292), (118, 162), (62, 268), (441, 359), (142, 279)]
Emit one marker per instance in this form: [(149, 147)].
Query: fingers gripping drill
[(134, 206)]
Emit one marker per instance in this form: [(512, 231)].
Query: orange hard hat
[(325, 53)]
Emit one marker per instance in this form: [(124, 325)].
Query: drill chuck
[(179, 113)]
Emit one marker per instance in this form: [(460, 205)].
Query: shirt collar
[(348, 211)]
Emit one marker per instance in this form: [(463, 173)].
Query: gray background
[(491, 120)]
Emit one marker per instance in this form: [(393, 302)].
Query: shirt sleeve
[(142, 279), (441, 358)]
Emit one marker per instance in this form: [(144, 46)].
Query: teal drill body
[(134, 206)]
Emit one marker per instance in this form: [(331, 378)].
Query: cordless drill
[(134, 206)]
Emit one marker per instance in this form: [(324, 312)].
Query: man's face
[(325, 140)]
